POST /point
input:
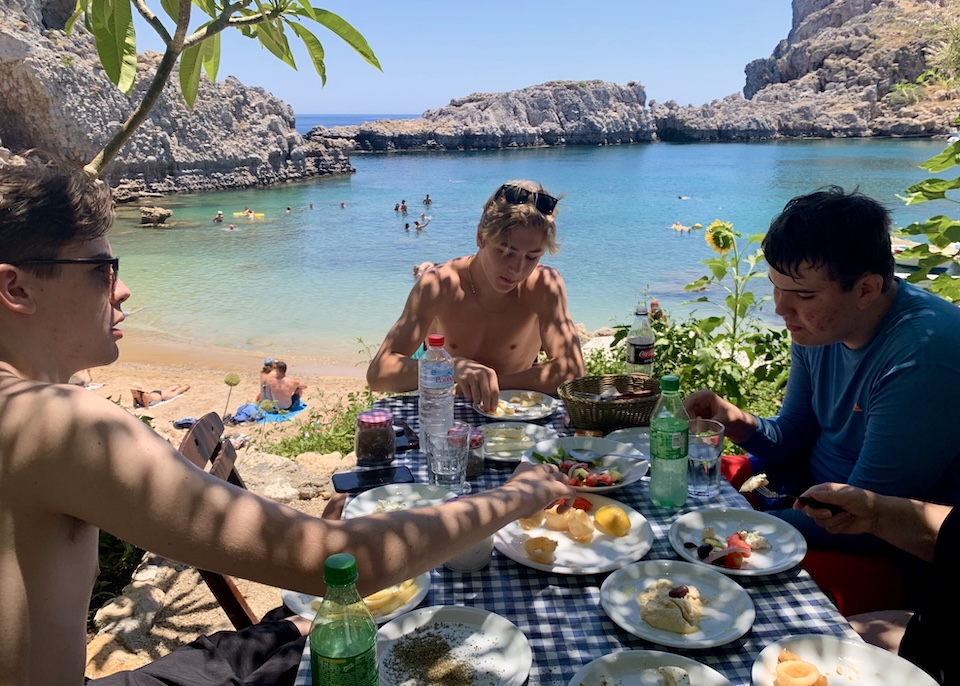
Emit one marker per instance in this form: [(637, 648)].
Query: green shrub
[(329, 427)]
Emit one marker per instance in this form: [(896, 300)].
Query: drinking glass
[(705, 445), (447, 457)]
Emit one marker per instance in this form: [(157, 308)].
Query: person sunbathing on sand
[(498, 308), (280, 388), (142, 398), (74, 463)]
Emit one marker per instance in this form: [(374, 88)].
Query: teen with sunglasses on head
[(497, 308), (72, 463)]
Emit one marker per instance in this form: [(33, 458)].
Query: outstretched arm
[(104, 467)]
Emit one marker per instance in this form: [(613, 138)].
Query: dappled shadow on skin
[(100, 465)]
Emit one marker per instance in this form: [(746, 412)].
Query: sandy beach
[(152, 362)]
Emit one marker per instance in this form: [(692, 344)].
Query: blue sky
[(432, 51)]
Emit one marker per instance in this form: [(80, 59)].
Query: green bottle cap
[(340, 570), (669, 383)]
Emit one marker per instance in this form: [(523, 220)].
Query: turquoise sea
[(311, 282)]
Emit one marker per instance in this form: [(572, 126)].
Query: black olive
[(678, 592), (704, 550), (689, 544)]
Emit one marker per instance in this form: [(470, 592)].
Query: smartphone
[(407, 439), (363, 480)]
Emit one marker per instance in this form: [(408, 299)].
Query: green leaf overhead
[(112, 26), (191, 62), (343, 29), (314, 49), (197, 49)]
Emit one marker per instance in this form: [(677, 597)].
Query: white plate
[(302, 603), (496, 649), (728, 612), (637, 436), (512, 451), (546, 407), (842, 660), (408, 495), (787, 545), (632, 469), (639, 668), (602, 554)]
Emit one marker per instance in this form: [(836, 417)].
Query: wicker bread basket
[(607, 415)]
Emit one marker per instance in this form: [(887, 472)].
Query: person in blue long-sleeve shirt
[(875, 366)]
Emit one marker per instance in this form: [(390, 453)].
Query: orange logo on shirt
[(857, 408)]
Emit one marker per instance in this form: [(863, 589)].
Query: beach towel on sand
[(282, 415), (248, 412)]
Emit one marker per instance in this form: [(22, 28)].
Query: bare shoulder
[(545, 282), (50, 420), (442, 280)]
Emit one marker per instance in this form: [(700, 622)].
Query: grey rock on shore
[(847, 68), (58, 100)]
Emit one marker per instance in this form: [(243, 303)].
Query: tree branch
[(153, 20)]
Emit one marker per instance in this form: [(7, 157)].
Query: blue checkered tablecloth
[(561, 614)]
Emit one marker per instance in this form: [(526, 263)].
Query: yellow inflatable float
[(255, 215)]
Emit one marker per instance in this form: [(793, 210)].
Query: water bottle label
[(356, 670), (640, 351), (436, 376)]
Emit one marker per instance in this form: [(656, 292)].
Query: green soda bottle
[(343, 637), (669, 433)]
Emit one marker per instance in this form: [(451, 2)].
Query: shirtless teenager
[(497, 308), (283, 390), (72, 462)]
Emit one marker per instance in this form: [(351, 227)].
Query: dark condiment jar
[(475, 454), (375, 441)]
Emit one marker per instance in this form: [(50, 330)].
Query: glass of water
[(447, 457), (705, 445)]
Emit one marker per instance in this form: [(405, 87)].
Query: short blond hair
[(499, 216)]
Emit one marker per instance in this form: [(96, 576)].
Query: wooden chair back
[(205, 446)]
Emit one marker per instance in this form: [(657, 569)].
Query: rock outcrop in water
[(57, 99), (555, 113), (847, 68)]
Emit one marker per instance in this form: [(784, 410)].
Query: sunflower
[(720, 236)]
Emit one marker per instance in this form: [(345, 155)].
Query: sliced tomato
[(604, 480), (734, 540), (590, 479), (582, 504), (574, 481), (733, 560)]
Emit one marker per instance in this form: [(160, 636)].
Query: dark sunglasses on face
[(113, 262), (515, 195)]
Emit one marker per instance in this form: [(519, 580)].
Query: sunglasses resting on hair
[(515, 195)]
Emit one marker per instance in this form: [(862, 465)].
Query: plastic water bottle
[(669, 434), (343, 636), (436, 388), (640, 344)]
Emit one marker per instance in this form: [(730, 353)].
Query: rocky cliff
[(847, 68), (554, 113), (57, 100)]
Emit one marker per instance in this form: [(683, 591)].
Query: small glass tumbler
[(472, 559), (704, 447), (447, 457)]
